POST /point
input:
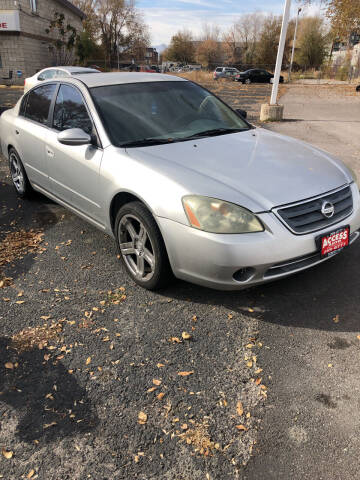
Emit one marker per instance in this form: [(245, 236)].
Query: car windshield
[(162, 112)]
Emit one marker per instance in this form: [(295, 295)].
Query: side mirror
[(243, 113), (74, 136)]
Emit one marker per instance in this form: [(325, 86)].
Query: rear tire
[(141, 247), (18, 175)]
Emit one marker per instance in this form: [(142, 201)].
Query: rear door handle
[(17, 132)]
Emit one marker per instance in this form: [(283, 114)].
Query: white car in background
[(55, 72)]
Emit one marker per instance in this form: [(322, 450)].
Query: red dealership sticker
[(335, 241)]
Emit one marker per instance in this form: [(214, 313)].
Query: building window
[(33, 5), (0, 62)]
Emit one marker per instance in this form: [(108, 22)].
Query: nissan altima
[(186, 186)]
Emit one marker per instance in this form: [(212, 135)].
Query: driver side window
[(70, 111)]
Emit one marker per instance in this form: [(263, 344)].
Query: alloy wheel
[(17, 173), (136, 247)]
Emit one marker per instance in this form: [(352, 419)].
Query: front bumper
[(212, 260)]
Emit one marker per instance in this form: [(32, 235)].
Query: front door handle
[(17, 132)]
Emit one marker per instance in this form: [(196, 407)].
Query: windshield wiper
[(147, 141), (217, 131)]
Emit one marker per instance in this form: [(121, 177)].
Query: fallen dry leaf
[(241, 428), (7, 453), (186, 336), (142, 418), (249, 364), (156, 381), (160, 396), (9, 365), (336, 319), (160, 365), (48, 425), (88, 361), (239, 408), (185, 374), (258, 381), (152, 389), (175, 340), (31, 473)]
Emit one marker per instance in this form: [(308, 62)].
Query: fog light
[(244, 274)]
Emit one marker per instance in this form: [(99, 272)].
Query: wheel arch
[(122, 198)]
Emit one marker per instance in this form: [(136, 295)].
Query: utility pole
[(294, 42), (280, 53)]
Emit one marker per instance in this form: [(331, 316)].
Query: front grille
[(306, 217)]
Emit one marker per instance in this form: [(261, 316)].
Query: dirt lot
[(99, 379)]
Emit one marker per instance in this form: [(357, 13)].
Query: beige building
[(25, 47)]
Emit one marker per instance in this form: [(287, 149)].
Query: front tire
[(141, 247), (18, 175)]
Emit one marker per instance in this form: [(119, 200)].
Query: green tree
[(267, 46), (181, 48), (313, 43), (86, 48), (64, 38)]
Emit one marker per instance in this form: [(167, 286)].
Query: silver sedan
[(186, 186)]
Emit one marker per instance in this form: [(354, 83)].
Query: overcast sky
[(165, 17)]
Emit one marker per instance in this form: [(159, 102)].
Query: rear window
[(38, 103), (219, 69)]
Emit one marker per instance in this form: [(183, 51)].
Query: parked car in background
[(146, 69), (256, 75), (142, 159), (156, 68), (225, 72), (55, 72)]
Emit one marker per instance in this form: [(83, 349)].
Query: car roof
[(114, 78), (71, 69)]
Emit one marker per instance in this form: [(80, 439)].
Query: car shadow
[(47, 399), (311, 299), (18, 214)]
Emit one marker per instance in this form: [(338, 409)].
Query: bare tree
[(209, 50), (121, 27), (248, 30)]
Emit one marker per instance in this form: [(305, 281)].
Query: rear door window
[(70, 111), (38, 103)]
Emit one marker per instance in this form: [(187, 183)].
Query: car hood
[(257, 168)]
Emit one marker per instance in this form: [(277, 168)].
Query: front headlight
[(216, 216), (355, 178)]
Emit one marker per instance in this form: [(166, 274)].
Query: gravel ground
[(101, 350), (90, 363)]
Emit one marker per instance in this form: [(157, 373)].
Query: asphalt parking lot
[(100, 379)]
